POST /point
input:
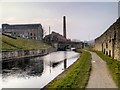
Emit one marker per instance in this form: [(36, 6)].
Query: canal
[(36, 72)]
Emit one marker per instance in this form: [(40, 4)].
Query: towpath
[(100, 76)]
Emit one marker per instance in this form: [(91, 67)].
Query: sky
[(85, 20)]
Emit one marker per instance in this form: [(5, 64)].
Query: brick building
[(109, 41), (31, 31), (56, 37)]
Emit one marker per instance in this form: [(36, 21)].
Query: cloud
[(54, 23), (9, 19), (47, 21), (84, 20)]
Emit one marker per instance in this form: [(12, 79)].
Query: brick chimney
[(64, 26)]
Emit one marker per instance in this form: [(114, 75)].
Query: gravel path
[(100, 77)]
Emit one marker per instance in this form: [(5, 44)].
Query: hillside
[(21, 43)]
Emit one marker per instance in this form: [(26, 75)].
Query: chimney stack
[(64, 26)]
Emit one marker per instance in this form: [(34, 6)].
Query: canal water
[(36, 72)]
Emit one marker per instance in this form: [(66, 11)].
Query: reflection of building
[(30, 66), (56, 37), (109, 41), (0, 30), (31, 31)]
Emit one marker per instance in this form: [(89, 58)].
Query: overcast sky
[(85, 20)]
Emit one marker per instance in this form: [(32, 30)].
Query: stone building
[(109, 41), (31, 31)]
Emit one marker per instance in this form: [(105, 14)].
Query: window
[(30, 34), (115, 35), (110, 41), (109, 53), (106, 52), (14, 33), (114, 28), (106, 45), (102, 48)]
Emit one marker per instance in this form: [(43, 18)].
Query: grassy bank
[(77, 75), (113, 66), (20, 43)]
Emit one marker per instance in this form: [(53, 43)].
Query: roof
[(56, 35), (21, 26)]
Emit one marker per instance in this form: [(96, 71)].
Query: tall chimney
[(64, 26)]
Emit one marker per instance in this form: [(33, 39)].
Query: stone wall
[(109, 41), (25, 53)]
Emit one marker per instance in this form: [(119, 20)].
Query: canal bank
[(14, 54), (76, 76), (17, 47)]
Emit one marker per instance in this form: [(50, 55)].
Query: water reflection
[(0, 66), (65, 63), (36, 72), (65, 60), (25, 67)]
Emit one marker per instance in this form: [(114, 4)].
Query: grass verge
[(20, 43), (113, 66), (77, 75)]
